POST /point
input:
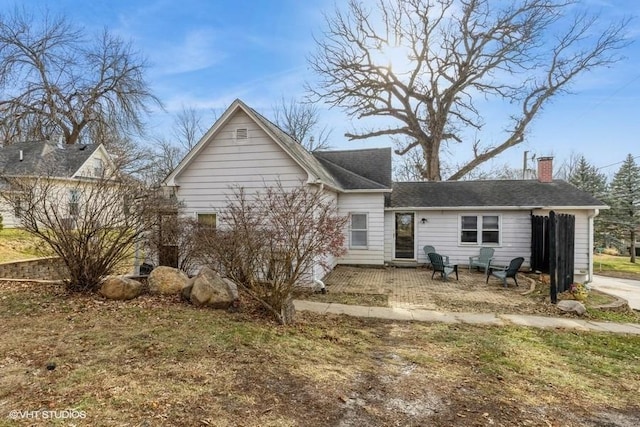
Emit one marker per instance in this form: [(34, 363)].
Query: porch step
[(404, 264)]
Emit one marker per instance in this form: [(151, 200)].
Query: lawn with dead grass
[(158, 361)]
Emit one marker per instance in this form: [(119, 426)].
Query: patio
[(413, 288)]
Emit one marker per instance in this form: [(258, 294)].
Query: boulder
[(185, 293), (167, 281), (572, 306), (120, 288), (211, 290)]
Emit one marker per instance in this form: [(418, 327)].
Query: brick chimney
[(545, 169)]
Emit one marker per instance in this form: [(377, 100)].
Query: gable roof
[(522, 194), (367, 169), (44, 158), (331, 168)]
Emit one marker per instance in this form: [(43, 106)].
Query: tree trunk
[(432, 160), (632, 247)]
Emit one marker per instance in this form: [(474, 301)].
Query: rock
[(569, 305), (211, 290), (120, 288), (167, 281), (185, 293)]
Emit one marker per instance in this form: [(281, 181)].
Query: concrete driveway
[(623, 288)]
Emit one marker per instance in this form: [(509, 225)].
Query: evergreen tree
[(625, 201), (586, 177)]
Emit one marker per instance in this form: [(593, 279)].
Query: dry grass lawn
[(157, 361)]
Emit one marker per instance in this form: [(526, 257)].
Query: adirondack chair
[(503, 273), (483, 260), (429, 249), (439, 266)]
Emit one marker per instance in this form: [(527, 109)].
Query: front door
[(404, 236)]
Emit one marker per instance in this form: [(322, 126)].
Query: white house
[(64, 164), (389, 222)]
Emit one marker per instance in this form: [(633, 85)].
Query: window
[(74, 202), (358, 231), (207, 220), (480, 229), (97, 168), (17, 207)]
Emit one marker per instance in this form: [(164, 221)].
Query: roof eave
[(491, 208)]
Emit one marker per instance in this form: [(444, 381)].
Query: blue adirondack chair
[(430, 249), (439, 266), (483, 260), (503, 273)]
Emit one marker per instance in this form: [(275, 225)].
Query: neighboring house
[(389, 222), (63, 164)]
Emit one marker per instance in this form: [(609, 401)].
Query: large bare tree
[(54, 81), (300, 121), (430, 66)]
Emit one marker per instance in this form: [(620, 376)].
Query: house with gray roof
[(64, 163), (389, 222)]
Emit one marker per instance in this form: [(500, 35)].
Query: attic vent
[(242, 133)]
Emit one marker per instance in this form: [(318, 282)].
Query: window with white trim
[(207, 220), (98, 168), (358, 231), (480, 229), (74, 202)]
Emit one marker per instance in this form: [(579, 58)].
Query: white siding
[(442, 231), (88, 168), (373, 205), (582, 249), (252, 163)]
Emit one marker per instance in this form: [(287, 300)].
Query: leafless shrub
[(271, 241), (92, 224)]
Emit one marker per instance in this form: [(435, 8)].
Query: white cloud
[(196, 50)]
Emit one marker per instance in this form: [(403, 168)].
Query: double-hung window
[(74, 202), (207, 220), (359, 233), (480, 229)]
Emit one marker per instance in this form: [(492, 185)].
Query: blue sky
[(205, 54)]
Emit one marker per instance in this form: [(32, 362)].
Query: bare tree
[(91, 224), (272, 241), (300, 121), (408, 167), (429, 66), (55, 82), (169, 149)]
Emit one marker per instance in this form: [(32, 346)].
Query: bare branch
[(55, 83), (423, 64)]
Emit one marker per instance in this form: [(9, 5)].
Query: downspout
[(319, 284), (591, 243)]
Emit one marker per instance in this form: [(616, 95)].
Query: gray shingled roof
[(503, 193), (368, 169), (296, 150), (43, 158)]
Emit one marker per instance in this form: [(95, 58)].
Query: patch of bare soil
[(157, 361)]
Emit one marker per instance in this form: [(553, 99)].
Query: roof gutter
[(490, 208)]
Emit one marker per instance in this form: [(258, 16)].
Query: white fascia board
[(378, 190), (492, 208)]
